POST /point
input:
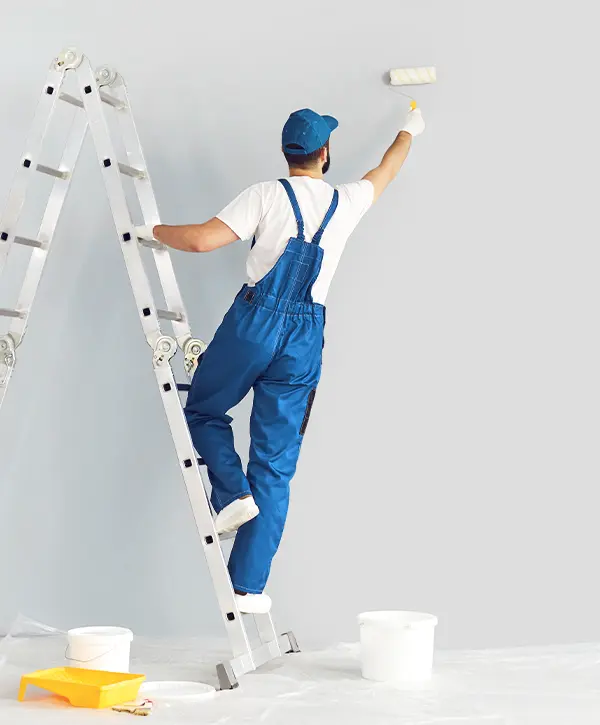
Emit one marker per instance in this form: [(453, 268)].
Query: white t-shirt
[(264, 211)]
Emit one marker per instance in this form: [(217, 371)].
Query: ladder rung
[(74, 101), (186, 387), (114, 102), (28, 242), (68, 98), (227, 536), (132, 171), (168, 315), (152, 243), (53, 172), (4, 312)]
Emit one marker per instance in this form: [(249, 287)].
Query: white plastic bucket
[(397, 646), (99, 648)]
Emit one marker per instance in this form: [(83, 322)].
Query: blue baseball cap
[(306, 131)]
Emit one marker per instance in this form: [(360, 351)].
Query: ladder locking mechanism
[(68, 58), (192, 350), (106, 76), (164, 350), (7, 358)]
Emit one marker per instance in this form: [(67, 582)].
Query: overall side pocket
[(309, 405)]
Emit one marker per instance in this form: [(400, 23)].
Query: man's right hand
[(414, 125), (145, 232)]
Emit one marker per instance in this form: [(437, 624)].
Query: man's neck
[(313, 173)]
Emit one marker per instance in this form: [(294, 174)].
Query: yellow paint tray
[(85, 688)]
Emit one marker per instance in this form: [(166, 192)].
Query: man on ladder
[(271, 339)]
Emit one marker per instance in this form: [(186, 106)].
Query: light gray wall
[(451, 463)]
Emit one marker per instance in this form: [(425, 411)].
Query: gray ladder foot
[(227, 680), (293, 643)]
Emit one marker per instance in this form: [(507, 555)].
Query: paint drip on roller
[(412, 77)]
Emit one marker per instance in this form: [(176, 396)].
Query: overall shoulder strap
[(295, 206), (330, 212)]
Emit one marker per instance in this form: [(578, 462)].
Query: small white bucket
[(397, 646), (99, 648)]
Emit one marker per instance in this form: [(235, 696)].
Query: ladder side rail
[(232, 617), (149, 207), (29, 161), (118, 202), (48, 225), (39, 255)]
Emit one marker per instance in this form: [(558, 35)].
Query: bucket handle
[(92, 659)]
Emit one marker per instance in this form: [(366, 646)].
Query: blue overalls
[(271, 340)]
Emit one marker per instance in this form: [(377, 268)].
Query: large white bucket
[(397, 646), (99, 648)]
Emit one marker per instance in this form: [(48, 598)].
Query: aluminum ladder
[(100, 93)]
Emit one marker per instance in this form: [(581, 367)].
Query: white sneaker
[(235, 515), (253, 603)]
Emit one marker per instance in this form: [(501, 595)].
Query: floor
[(544, 686)]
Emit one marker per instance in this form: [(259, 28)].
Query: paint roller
[(412, 77)]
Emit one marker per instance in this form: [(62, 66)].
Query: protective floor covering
[(544, 686)]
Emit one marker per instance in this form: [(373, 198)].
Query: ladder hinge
[(193, 351), (69, 58), (7, 358), (164, 350)]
